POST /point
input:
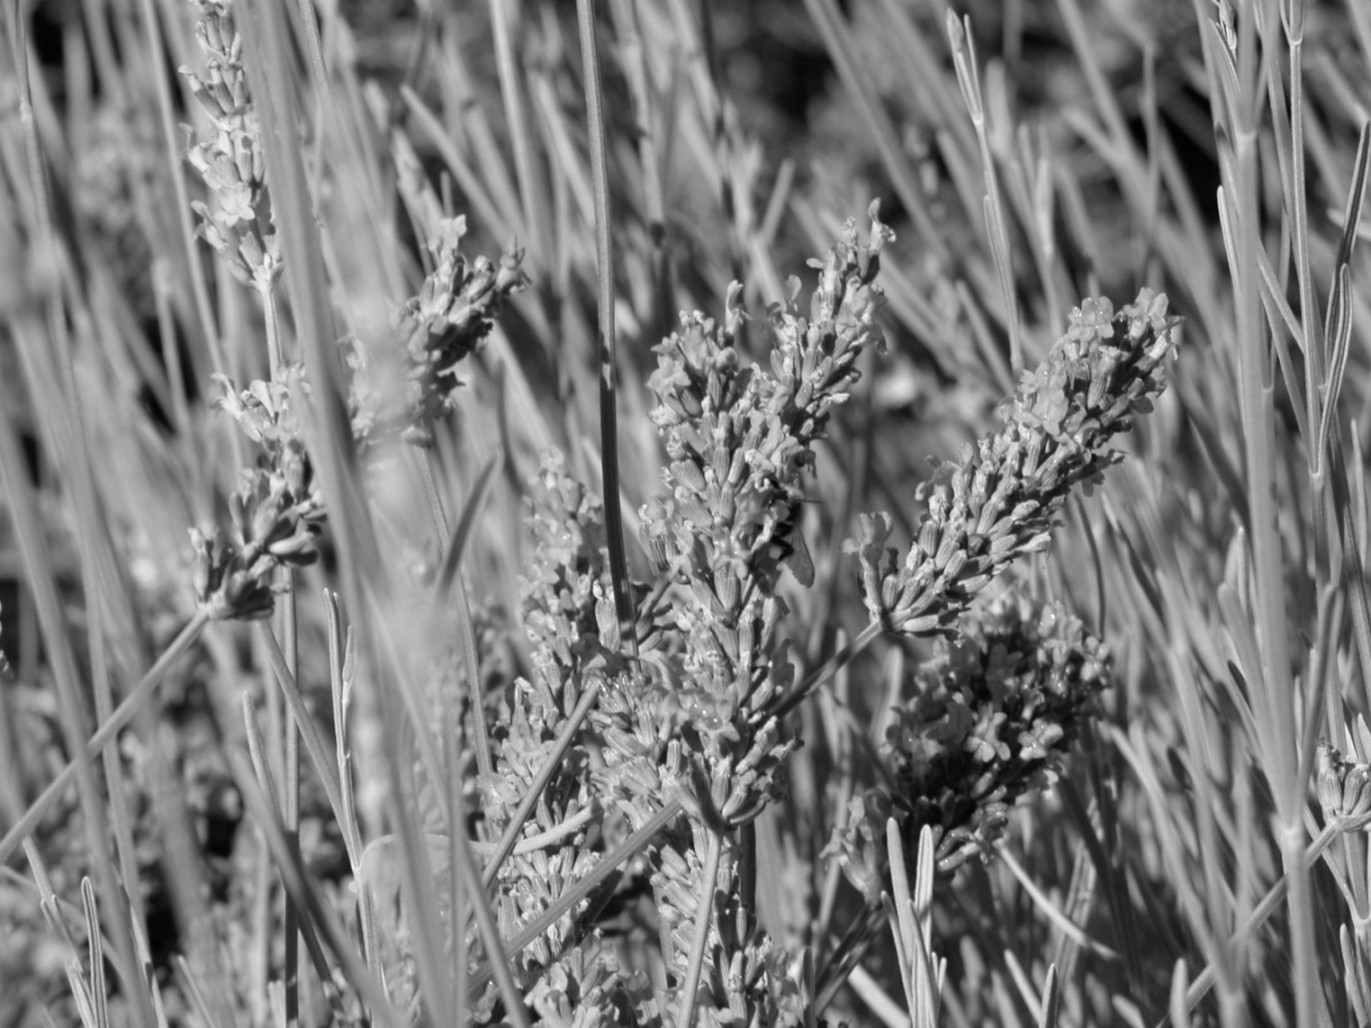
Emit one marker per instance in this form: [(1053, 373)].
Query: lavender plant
[(688, 729), (699, 723), (696, 720)]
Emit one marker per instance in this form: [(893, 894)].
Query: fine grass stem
[(608, 348)]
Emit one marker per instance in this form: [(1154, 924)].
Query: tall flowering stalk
[(999, 500), (995, 715), (704, 726), (237, 221), (277, 511)]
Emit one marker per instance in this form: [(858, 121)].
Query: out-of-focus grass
[(1029, 153)]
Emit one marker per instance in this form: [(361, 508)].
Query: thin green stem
[(578, 892), (830, 667), (324, 765), (1235, 74), (565, 738), (290, 772), (338, 654), (604, 256)]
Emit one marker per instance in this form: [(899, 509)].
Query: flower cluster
[(239, 226), (699, 719), (566, 580), (448, 320), (584, 991), (992, 719), (277, 510), (569, 965), (1344, 786), (739, 440), (999, 500)]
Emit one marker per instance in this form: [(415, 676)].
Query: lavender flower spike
[(999, 501)]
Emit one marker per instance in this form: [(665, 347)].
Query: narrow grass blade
[(699, 942), (568, 734), (95, 954), (461, 536), (608, 865), (325, 766), (1051, 1001), (532, 192), (466, 631), (604, 253), (1053, 912), (304, 929), (297, 881)]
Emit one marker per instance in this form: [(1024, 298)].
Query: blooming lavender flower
[(277, 511), (586, 990), (998, 501), (1344, 786), (569, 965), (991, 721), (444, 323), (699, 720), (992, 718), (739, 440), (230, 161)]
